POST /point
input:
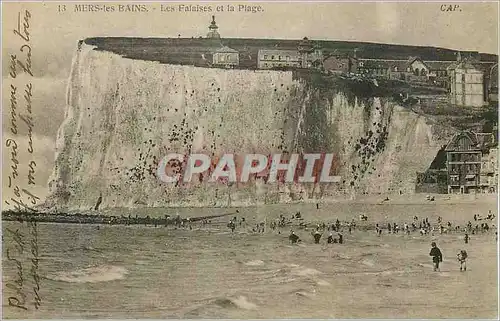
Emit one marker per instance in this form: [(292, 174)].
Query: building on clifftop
[(493, 84), (311, 54), (225, 57), (340, 64), (466, 84), (213, 33), (275, 58)]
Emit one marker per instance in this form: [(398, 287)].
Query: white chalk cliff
[(124, 115)]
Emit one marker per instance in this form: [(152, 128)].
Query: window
[(287, 58), (222, 58), (463, 77), (272, 57), (279, 58), (265, 57)]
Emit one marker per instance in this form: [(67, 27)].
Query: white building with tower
[(213, 33)]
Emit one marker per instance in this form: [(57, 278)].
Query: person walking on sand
[(437, 256), (462, 258), (466, 238)]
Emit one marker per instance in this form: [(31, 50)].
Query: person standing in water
[(293, 237), (437, 256), (462, 258), (330, 238), (317, 237), (231, 225)]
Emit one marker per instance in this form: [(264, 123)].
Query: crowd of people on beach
[(422, 226), (333, 230)]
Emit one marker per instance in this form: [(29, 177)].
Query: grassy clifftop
[(188, 50)]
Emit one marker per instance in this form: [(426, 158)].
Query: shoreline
[(404, 199), (164, 216)]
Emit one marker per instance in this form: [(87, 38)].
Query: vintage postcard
[(249, 160)]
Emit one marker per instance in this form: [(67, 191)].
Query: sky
[(54, 34)]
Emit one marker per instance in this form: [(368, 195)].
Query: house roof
[(225, 49), (454, 146), (384, 64), (477, 141), (439, 65), (494, 76), (412, 60), (278, 51), (483, 66), (485, 139), (432, 65), (465, 65), (333, 56)]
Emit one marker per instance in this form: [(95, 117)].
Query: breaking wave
[(91, 275), (254, 263), (240, 302), (299, 271), (323, 283)]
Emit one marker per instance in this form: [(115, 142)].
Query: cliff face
[(124, 115)]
